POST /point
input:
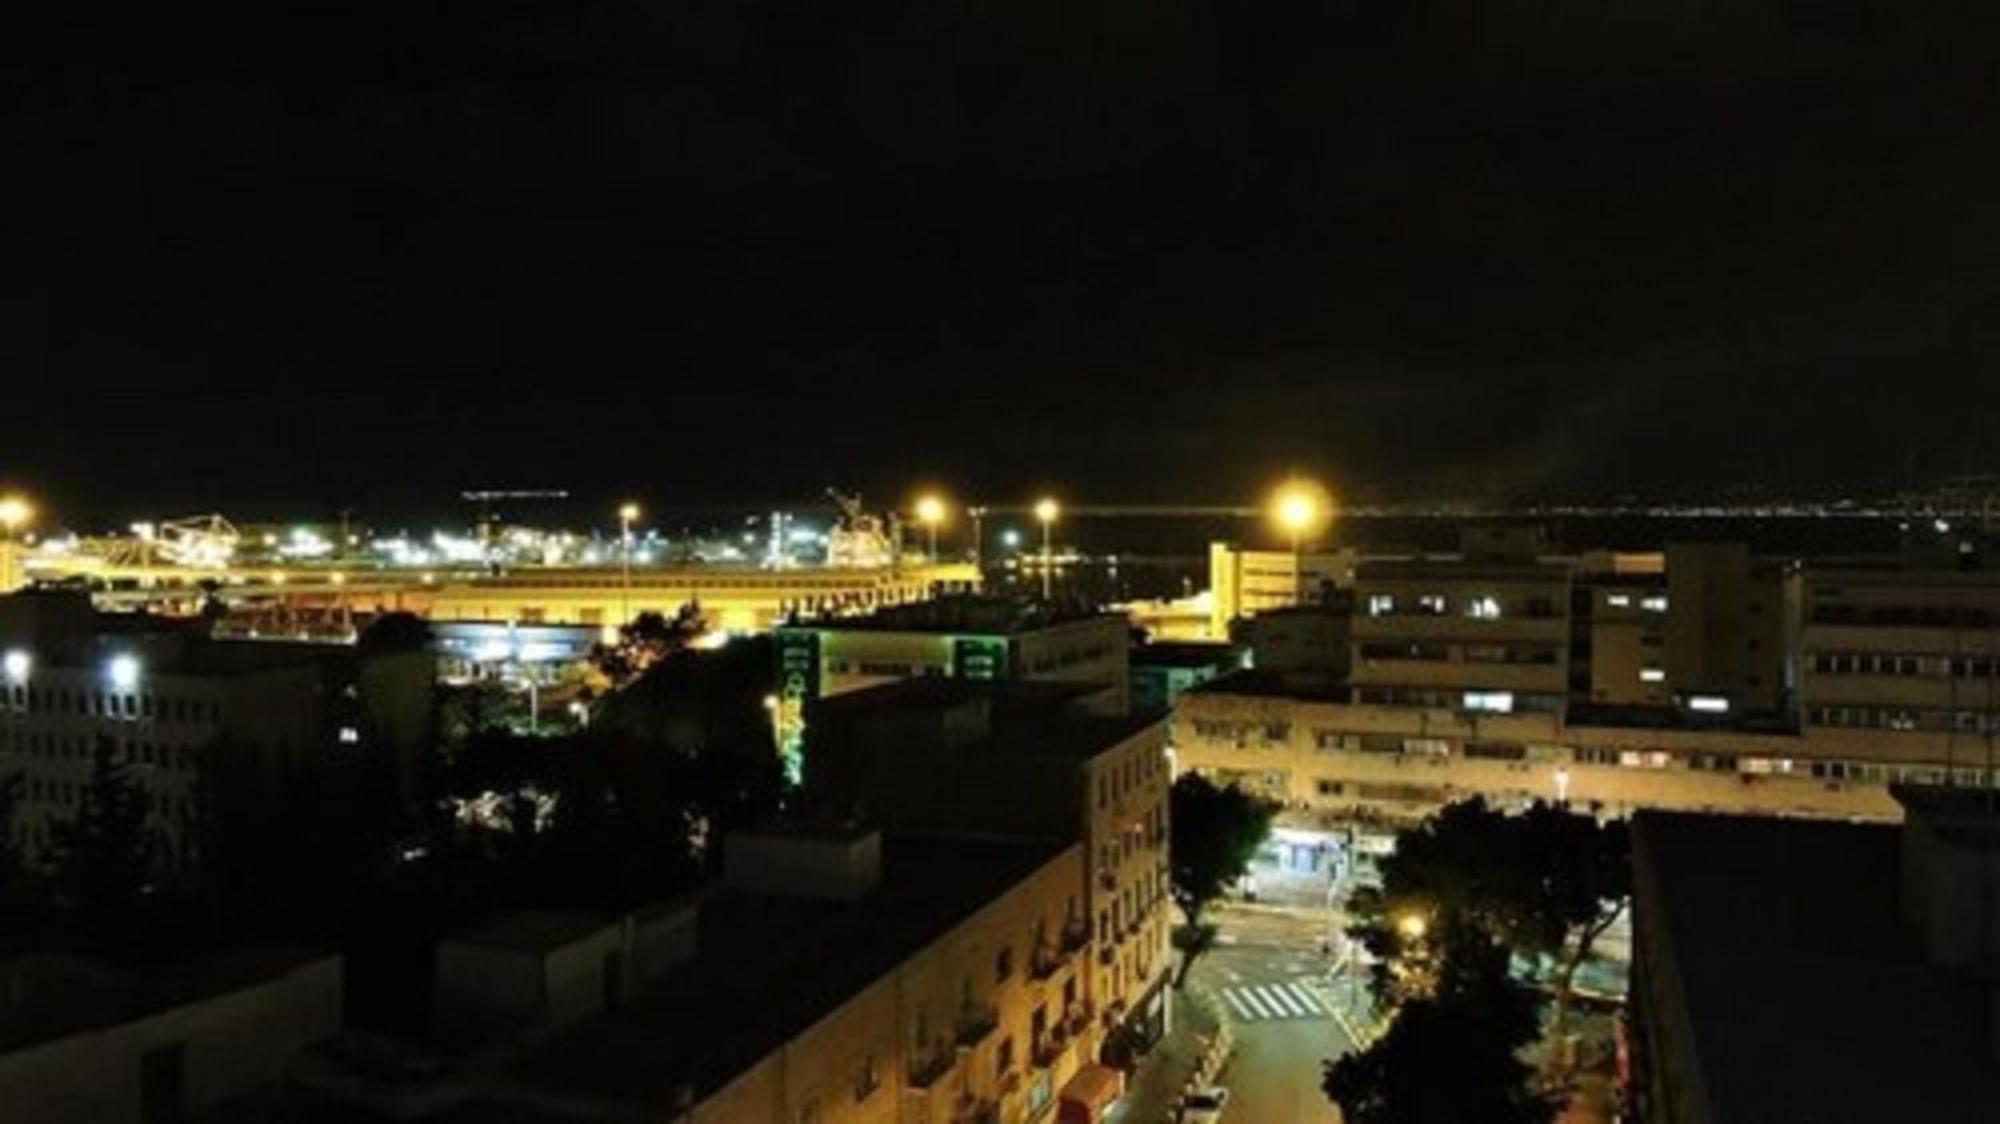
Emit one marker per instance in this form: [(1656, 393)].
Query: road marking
[(1241, 1010), (1282, 1001), (1306, 998), (1249, 995)]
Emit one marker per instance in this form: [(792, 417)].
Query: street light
[(1300, 507), (1412, 926), (628, 514), (931, 513), (1046, 510), (15, 513)]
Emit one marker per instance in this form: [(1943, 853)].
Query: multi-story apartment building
[(1898, 684), (837, 973), (1025, 760), (1488, 630), (1904, 657), (1244, 582), (163, 699), (976, 638)]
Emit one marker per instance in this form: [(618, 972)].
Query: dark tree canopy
[(104, 858), (1215, 832), (1452, 1056), (395, 634)]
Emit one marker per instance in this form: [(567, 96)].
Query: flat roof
[(1808, 997), (56, 995), (1186, 653), (532, 930), (1005, 616), (768, 968), (1272, 683)]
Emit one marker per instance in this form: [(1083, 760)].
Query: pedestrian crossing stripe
[(1265, 1002)]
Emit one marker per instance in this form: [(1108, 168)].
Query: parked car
[(1204, 1106)]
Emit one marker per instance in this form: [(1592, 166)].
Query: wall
[(236, 1045), (821, 1074)]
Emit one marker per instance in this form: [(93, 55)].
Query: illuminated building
[(1487, 630), (1244, 582), (162, 699), (1702, 680), (1022, 759), (1909, 657), (837, 973), (958, 637), (1160, 672)]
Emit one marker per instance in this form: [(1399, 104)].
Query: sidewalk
[(1155, 1089)]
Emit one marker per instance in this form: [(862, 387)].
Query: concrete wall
[(236, 1045)]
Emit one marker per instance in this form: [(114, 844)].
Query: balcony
[(1048, 962), (928, 1069), (1106, 954), (1077, 1017), (1075, 935), (1050, 1047), (1107, 879), (976, 1022)]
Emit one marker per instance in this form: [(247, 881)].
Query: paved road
[(1283, 1027)]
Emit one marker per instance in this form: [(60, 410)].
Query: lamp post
[(1046, 510), (627, 515), (15, 513), (1299, 507), (931, 513)]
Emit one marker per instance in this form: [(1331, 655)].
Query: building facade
[(166, 702), (1244, 582)]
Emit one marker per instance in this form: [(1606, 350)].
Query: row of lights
[(122, 670)]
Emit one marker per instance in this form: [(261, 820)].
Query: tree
[(397, 632), (1452, 1054), (1215, 832), (104, 858), (1545, 883), (13, 870), (646, 640)]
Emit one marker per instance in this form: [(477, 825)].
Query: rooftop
[(1031, 718), (1192, 654), (771, 967), (970, 613), (46, 996), (1809, 1000)]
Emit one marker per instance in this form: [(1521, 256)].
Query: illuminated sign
[(978, 657), (798, 681)]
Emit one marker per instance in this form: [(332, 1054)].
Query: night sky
[(368, 254)]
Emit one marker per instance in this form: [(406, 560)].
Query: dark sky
[(291, 258)]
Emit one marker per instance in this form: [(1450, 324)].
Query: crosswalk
[(1262, 1002)]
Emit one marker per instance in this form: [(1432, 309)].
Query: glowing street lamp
[(931, 513), (15, 513), (628, 514), (1046, 511), (1300, 507), (1412, 926)]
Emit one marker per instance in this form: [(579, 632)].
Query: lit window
[(1708, 704), (1619, 600), (1654, 604), (1484, 608), (1381, 605), (1499, 702), (1652, 675), (1432, 603), (350, 736)]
